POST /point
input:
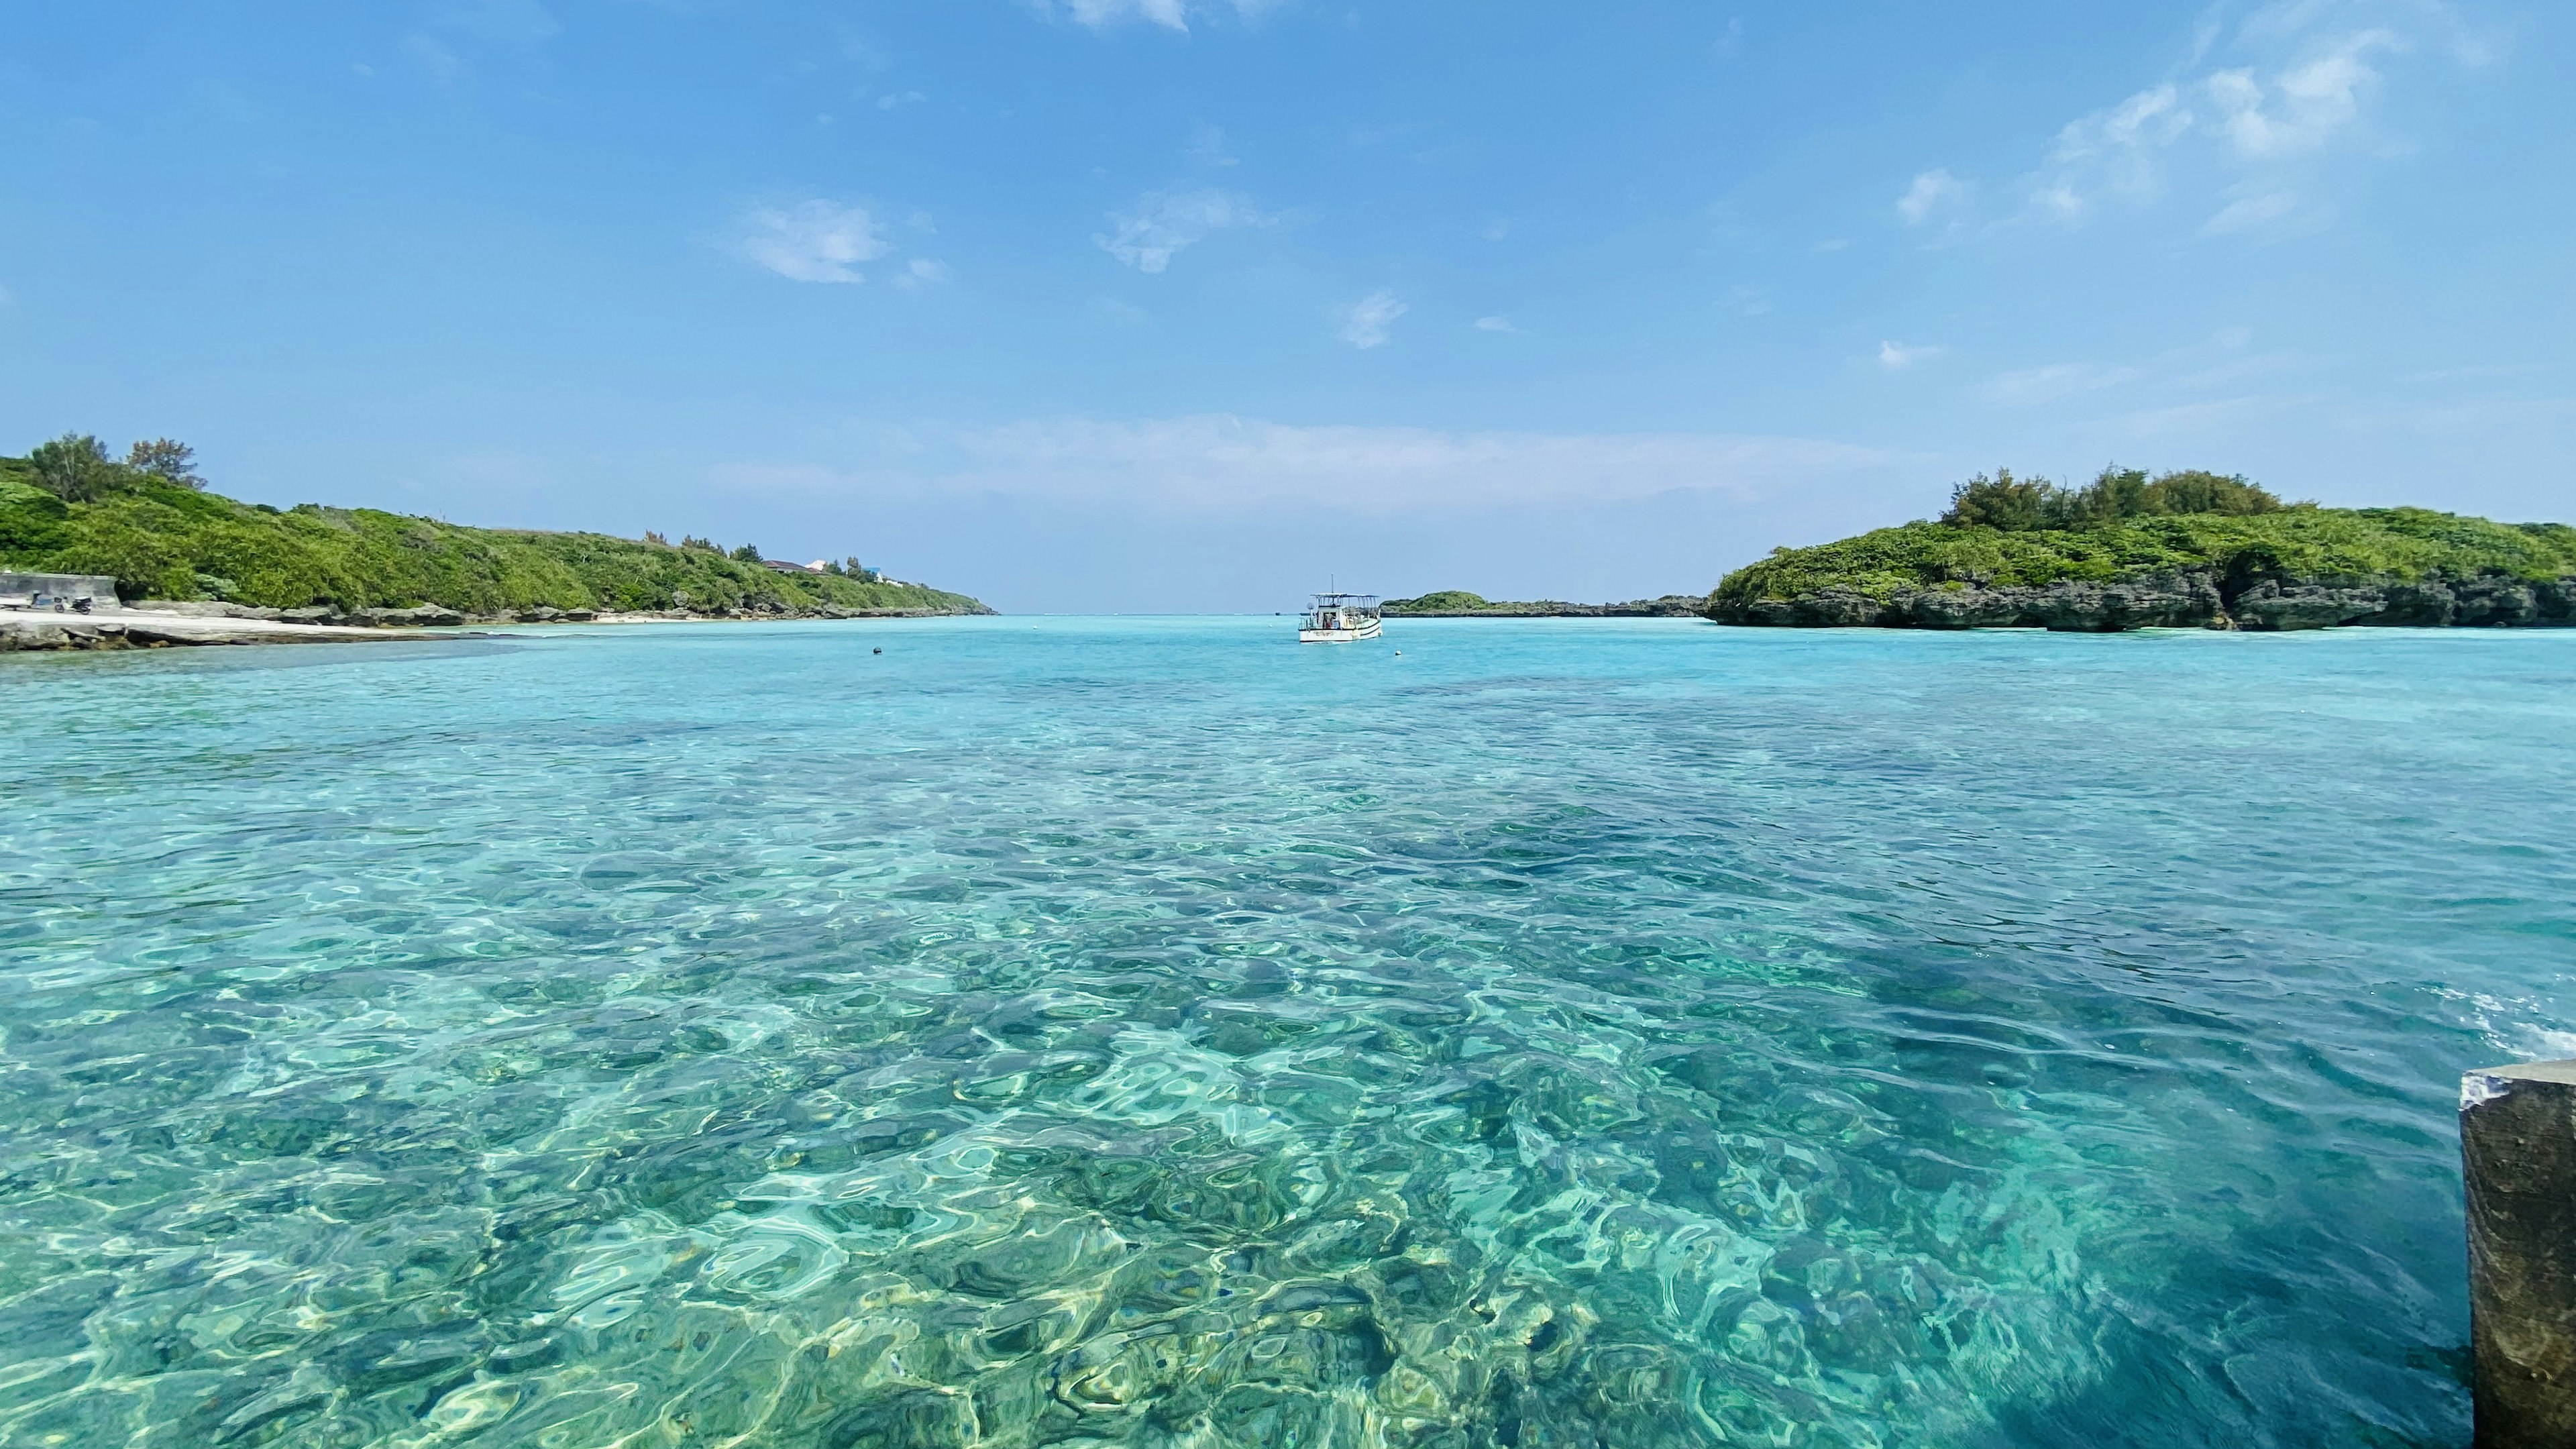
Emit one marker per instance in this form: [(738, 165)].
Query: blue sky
[(1188, 304)]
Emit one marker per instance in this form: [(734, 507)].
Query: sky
[(1197, 305)]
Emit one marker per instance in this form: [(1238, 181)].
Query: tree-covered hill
[(2073, 565), (1460, 604), (161, 535)]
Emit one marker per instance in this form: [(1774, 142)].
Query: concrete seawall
[(2518, 1152)]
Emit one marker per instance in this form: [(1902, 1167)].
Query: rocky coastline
[(2177, 599)]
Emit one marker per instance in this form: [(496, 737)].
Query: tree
[(2002, 501), (2117, 493), (167, 459), (75, 468), (656, 539), (702, 545), (748, 553)]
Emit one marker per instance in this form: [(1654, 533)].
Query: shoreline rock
[(127, 629), (2180, 599), (155, 623)]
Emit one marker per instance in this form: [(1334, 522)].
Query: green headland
[(2184, 549), (151, 524)]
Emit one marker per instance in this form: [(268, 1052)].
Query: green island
[(1459, 604), (149, 523), (2186, 549)]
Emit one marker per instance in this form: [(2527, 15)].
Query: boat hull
[(1363, 629)]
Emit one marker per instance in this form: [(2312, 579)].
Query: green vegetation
[(1459, 601), (69, 508), (1448, 601), (2134, 528)]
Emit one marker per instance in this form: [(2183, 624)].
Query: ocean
[(1155, 1032)]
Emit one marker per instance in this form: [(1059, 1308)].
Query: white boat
[(1339, 619)]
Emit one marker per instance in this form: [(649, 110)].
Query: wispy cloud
[(1223, 463), (511, 22), (2057, 380), (2114, 148), (1207, 147), (812, 241), (2257, 212), (1896, 356), (1165, 222), (1931, 192), (1170, 14), (433, 59), (922, 272), (2302, 106), (1495, 324), (1365, 322)]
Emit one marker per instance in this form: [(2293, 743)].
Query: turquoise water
[(1154, 1032)]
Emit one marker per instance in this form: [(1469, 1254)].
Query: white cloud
[(1221, 463), (922, 272), (1165, 222), (1495, 324), (812, 241), (1896, 356), (892, 99), (2303, 87), (2057, 380), (1365, 322), (1170, 14), (1931, 191)]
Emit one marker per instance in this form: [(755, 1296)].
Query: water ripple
[(1623, 1033)]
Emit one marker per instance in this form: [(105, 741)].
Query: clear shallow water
[(1151, 1032)]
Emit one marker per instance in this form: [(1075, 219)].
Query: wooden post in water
[(2518, 1149)]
